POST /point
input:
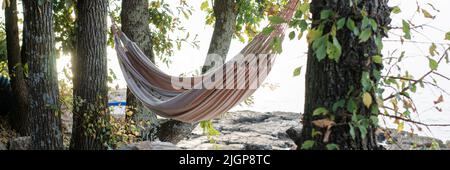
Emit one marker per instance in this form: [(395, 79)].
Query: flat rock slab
[(20, 143), (246, 130), (147, 145)]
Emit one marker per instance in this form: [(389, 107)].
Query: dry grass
[(6, 132)]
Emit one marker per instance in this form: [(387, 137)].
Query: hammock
[(167, 96)]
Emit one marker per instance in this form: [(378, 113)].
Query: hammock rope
[(204, 101)]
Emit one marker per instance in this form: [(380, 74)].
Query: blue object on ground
[(4, 82), (117, 103)]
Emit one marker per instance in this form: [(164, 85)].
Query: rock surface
[(393, 140), (3, 146), (20, 143), (246, 130), (147, 145)]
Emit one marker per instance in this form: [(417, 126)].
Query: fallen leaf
[(439, 100), (323, 123)]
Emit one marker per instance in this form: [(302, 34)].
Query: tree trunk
[(19, 115), (90, 119), (42, 82), (134, 17), (225, 13), (328, 81)]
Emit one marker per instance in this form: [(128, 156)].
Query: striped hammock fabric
[(197, 98)]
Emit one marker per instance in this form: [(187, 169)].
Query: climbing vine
[(374, 82)]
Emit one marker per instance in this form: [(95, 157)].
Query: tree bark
[(42, 82), (90, 119), (19, 115), (134, 17), (224, 27), (329, 81), (225, 13)]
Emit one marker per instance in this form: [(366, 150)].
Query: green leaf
[(374, 120), (377, 59), (337, 105), (320, 111), (427, 14), (268, 30), (433, 64), (432, 49), (352, 26), (374, 24), (351, 106), (406, 30), (341, 23), (297, 71), (447, 36), (332, 147), (365, 81), (379, 43), (276, 20), (325, 14), (396, 10), (334, 50), (204, 5), (363, 130), (365, 35), (26, 70), (308, 144), (304, 7), (320, 47), (321, 53), (352, 132), (292, 35), (277, 46), (314, 34), (365, 23)]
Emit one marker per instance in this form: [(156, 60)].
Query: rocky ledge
[(248, 130)]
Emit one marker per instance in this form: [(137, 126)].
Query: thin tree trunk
[(39, 52), (134, 17), (328, 81), (225, 13), (19, 115), (90, 77)]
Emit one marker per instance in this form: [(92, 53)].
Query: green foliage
[(64, 27), (163, 21), (320, 111), (309, 144), (250, 13), (209, 130), (297, 71), (377, 59), (433, 64), (3, 54), (396, 10), (332, 147), (406, 30), (276, 20)]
